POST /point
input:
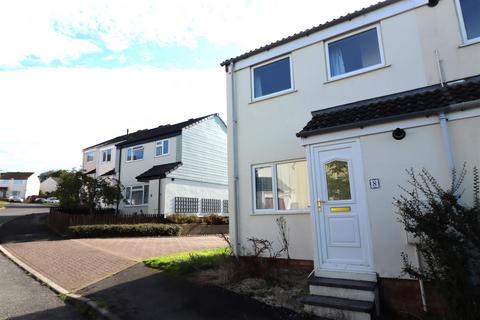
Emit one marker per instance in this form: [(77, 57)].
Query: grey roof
[(15, 175), (424, 101), (320, 27), (158, 172), (163, 131)]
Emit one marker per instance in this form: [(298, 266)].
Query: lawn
[(189, 262), (2, 204)]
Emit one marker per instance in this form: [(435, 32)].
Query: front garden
[(259, 275)]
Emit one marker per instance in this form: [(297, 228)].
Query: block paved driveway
[(75, 264)]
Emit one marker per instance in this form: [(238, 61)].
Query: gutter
[(236, 240)]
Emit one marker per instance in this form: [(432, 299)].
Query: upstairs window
[(90, 155), (469, 12), (161, 148), (135, 153), (107, 155), (4, 183), (136, 195), (272, 78), (17, 182), (354, 54)]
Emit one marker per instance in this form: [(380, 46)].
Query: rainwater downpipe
[(236, 239)]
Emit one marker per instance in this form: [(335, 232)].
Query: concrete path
[(74, 264), (143, 293)]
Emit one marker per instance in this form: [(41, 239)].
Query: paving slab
[(74, 264)]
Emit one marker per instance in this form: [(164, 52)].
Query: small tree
[(79, 189), (449, 240)]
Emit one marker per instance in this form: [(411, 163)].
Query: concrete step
[(343, 288), (338, 308)]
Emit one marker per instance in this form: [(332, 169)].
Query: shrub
[(215, 219), (123, 230), (180, 218), (449, 240)]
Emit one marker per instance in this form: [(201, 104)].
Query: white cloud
[(27, 27), (57, 112)]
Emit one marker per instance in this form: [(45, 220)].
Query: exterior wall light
[(398, 134)]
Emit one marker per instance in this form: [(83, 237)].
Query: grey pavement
[(10, 213), (22, 297)]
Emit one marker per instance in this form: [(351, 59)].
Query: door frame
[(361, 197)]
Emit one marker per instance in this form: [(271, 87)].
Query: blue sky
[(74, 73)]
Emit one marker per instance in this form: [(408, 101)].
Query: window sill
[(274, 95), (355, 74), (162, 155), (129, 161), (280, 213), (469, 43)]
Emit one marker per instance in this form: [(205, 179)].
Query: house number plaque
[(374, 183)]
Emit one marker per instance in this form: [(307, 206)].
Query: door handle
[(319, 204)]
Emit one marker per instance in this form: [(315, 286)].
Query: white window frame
[(18, 181), (135, 147), (463, 29), (359, 71), (143, 195), (162, 142), (105, 150), (93, 156), (274, 94), (275, 209)]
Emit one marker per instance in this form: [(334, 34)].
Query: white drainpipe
[(447, 141), (236, 241)]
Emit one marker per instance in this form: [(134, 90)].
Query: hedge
[(123, 230)]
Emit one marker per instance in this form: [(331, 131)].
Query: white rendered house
[(322, 126), (173, 168), (49, 185), (18, 184)]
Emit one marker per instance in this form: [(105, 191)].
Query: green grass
[(189, 262), (2, 204)]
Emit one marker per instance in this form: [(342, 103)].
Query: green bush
[(215, 219), (180, 218), (123, 230)]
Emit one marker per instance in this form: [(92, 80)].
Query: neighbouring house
[(99, 160), (18, 184), (323, 124), (49, 185), (177, 168)]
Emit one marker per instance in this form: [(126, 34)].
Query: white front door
[(340, 211)]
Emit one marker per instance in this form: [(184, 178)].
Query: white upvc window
[(136, 195), (18, 182), (90, 156), (162, 148), (272, 78), (280, 187), (135, 153), (4, 183), (107, 155), (354, 53), (469, 16)]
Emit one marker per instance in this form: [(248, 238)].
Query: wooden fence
[(60, 221)]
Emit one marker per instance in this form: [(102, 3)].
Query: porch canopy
[(432, 100), (158, 172)]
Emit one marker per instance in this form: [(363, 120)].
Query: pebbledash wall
[(266, 129)]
